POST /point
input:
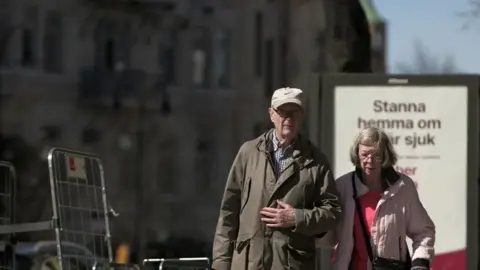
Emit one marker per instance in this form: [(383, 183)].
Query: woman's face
[(370, 160)]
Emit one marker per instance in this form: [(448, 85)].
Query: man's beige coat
[(242, 241)]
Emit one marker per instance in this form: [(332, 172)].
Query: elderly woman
[(381, 208)]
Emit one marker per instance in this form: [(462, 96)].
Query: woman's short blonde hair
[(377, 138)]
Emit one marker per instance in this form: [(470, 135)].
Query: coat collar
[(275, 144), (392, 182), (303, 156), (303, 153), (389, 176), (301, 146)]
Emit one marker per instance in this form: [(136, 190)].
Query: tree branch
[(424, 62), (471, 15)]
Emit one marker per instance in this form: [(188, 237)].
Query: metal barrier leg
[(8, 180), (181, 263), (115, 266)]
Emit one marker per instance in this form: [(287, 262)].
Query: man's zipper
[(270, 161), (247, 251)]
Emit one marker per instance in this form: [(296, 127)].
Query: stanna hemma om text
[(386, 107)]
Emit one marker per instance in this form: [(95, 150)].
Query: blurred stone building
[(378, 33), (169, 87)]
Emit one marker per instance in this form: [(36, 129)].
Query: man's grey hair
[(377, 138)]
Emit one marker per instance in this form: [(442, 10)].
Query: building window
[(53, 43), (258, 56), (4, 42), (202, 58), (104, 45), (122, 45), (166, 166), (109, 54), (6, 32), (318, 64), (166, 57), (198, 4), (5, 36), (29, 38), (283, 65), (28, 55), (204, 163), (350, 37), (377, 40), (223, 68), (112, 45), (339, 21), (269, 68)]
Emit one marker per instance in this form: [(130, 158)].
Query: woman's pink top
[(368, 203)]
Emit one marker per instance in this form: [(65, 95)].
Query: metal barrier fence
[(79, 202), (80, 212), (80, 217)]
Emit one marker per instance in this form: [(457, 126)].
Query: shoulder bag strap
[(359, 211)]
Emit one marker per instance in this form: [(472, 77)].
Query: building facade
[(378, 32), (164, 91)]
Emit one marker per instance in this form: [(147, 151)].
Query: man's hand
[(281, 217)]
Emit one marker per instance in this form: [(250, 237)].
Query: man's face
[(287, 119)]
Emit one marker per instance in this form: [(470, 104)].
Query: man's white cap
[(287, 95)]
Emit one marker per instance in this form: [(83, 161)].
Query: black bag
[(378, 263)]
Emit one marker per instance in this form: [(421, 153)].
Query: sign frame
[(322, 131)]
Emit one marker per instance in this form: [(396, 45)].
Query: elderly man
[(279, 196)]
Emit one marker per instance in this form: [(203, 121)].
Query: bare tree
[(471, 15), (425, 62)]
